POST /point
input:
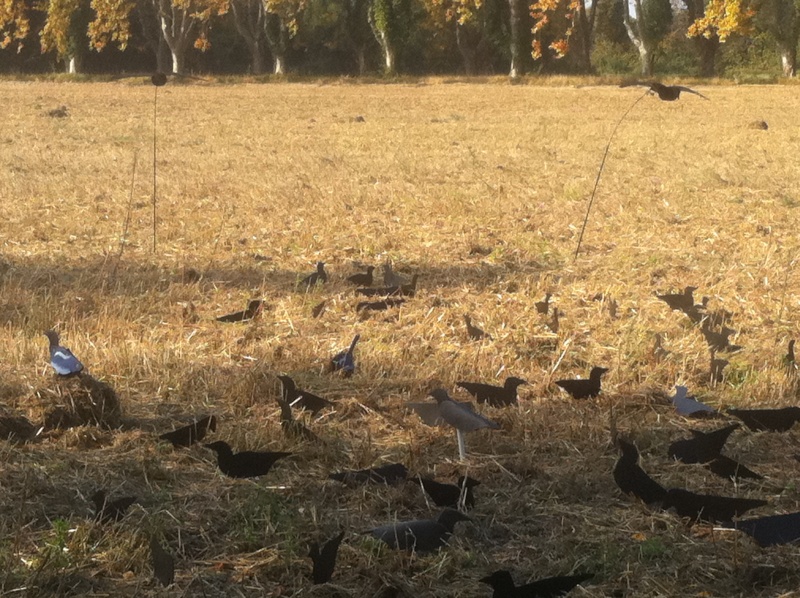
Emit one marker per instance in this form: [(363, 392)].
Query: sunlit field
[(480, 189)]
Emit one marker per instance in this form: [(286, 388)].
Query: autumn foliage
[(723, 18)]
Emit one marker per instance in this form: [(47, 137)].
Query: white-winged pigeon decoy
[(345, 361), (689, 406), (61, 358)]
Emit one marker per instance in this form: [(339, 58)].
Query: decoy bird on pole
[(474, 332), (543, 306), (708, 507), (320, 276), (253, 309), (725, 467), (324, 559), (496, 396), (391, 474), (702, 447), (247, 464), (503, 585), (108, 511), (291, 427), (363, 279), (667, 93), (770, 531), (379, 305), (61, 359), (584, 389), (449, 495), (424, 535), (194, 432), (345, 361), (688, 406), (632, 479), (680, 301), (163, 563), (768, 420), (301, 399), (391, 278)]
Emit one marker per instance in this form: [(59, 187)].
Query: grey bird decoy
[(424, 535), (689, 406), (61, 359)]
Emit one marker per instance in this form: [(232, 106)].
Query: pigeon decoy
[(689, 406), (391, 278), (253, 309), (108, 511), (768, 420), (163, 563), (680, 301), (543, 306), (474, 332), (449, 495), (247, 464), (496, 396), (324, 559), (424, 535), (391, 474), (320, 276), (362, 279), (632, 479), (379, 305), (584, 389), (770, 531), (708, 507), (667, 93), (194, 432), (725, 467), (300, 398), (61, 359), (290, 426), (345, 361), (702, 447), (503, 585)]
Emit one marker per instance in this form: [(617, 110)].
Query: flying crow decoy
[(584, 389), (680, 301), (424, 535), (290, 426), (503, 585), (667, 93), (108, 511), (702, 447), (543, 306), (194, 432), (61, 359), (316, 277), (391, 278), (163, 563), (725, 467), (632, 479), (768, 420), (345, 361), (770, 531), (719, 341), (253, 309), (391, 474), (474, 332), (708, 507), (362, 279), (689, 406), (300, 398), (324, 559), (449, 495), (496, 396), (247, 464), (379, 305)]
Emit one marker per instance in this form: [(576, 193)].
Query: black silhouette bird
[(403, 290), (720, 341), (18, 428), (584, 389), (423, 535), (290, 426), (632, 479), (496, 396), (702, 447), (768, 420), (789, 361), (194, 432), (300, 398), (689, 406), (345, 361), (247, 464), (324, 559), (449, 495), (708, 507), (667, 93), (61, 359), (108, 511), (163, 563), (391, 474), (503, 585), (379, 305), (770, 531), (362, 279), (391, 278), (725, 467), (253, 309), (680, 301), (320, 276), (318, 309), (543, 306), (474, 332)]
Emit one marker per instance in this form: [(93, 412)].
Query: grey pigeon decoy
[(770, 531), (163, 563), (496, 396), (324, 559), (345, 361), (247, 464), (584, 389), (768, 420), (61, 359), (667, 93), (503, 585), (424, 535), (320, 276), (108, 511), (689, 406), (632, 479)]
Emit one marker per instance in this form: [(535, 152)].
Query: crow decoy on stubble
[(109, 511), (424, 535), (708, 507), (770, 531), (195, 432), (702, 447), (543, 306), (345, 361), (253, 309), (496, 396), (362, 279), (768, 420), (680, 301), (667, 93), (720, 341), (320, 276), (247, 464), (632, 479), (391, 474), (474, 332), (291, 427), (163, 563), (584, 389), (324, 559), (689, 406), (61, 359), (789, 361), (449, 495), (301, 399), (725, 467), (503, 585)]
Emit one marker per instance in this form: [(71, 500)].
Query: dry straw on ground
[(481, 189)]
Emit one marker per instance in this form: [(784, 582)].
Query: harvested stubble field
[(482, 190)]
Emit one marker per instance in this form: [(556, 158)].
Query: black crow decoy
[(688, 406), (770, 531), (584, 389), (247, 464), (667, 93), (725, 467), (318, 309), (680, 301), (449, 495), (108, 511), (543, 306), (61, 359), (320, 276), (291, 427), (768, 420), (474, 332), (720, 341), (496, 396), (301, 399), (362, 279), (324, 559), (391, 474), (702, 447), (379, 305), (195, 432), (163, 563), (253, 309), (503, 585), (345, 361), (789, 361), (18, 428), (708, 507), (424, 535), (632, 479)]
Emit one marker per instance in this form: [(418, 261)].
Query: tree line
[(359, 37)]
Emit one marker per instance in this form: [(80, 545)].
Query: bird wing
[(428, 413), (686, 89), (64, 362), (464, 418)]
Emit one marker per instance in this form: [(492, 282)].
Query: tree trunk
[(788, 60), (279, 64), (389, 67), (163, 56), (515, 26), (257, 66), (178, 60), (707, 49), (583, 37), (72, 65), (467, 50), (361, 59)]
